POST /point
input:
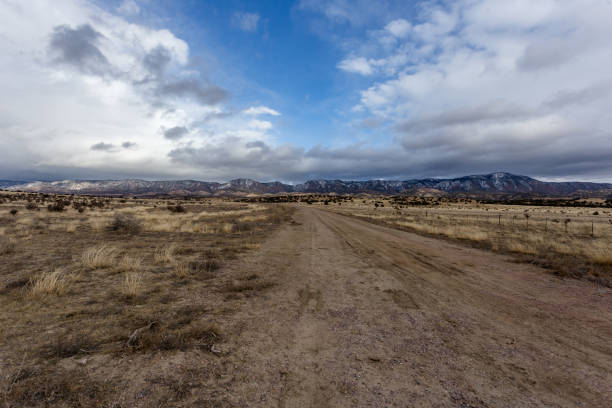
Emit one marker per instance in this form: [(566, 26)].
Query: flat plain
[(362, 302)]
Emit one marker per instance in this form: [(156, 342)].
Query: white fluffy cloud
[(516, 83), (399, 28), (85, 93), (469, 86), (358, 65)]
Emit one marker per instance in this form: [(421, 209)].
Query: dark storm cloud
[(175, 133), (78, 47), (103, 147)]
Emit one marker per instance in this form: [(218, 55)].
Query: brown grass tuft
[(164, 254), (182, 270), (101, 256), (48, 283), (132, 284), (129, 263)]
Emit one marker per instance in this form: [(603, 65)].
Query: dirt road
[(362, 315)]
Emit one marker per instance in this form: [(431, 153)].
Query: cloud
[(261, 110), (193, 89), (520, 86), (399, 28), (357, 13), (586, 96), (497, 111), (78, 47), (104, 147), (446, 88), (175, 133), (245, 21), (358, 65), (128, 7), (262, 161), (157, 60), (164, 86)]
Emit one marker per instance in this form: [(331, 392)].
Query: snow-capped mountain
[(494, 183)]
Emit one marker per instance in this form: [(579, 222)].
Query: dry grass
[(164, 254), (49, 283), (181, 270), (129, 263), (169, 271), (101, 256), (132, 284)]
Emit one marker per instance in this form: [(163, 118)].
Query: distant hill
[(478, 185), (9, 183)]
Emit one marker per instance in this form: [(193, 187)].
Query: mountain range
[(488, 184)]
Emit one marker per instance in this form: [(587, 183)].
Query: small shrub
[(56, 207), (14, 212), (32, 206), (176, 208), (125, 223)]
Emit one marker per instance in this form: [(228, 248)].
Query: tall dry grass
[(101, 256), (164, 254), (55, 282), (181, 270), (129, 263), (132, 284)]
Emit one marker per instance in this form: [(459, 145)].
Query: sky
[(305, 89)]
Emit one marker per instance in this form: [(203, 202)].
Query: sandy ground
[(363, 315)]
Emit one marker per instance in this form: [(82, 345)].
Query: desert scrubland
[(100, 279), (302, 301)]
